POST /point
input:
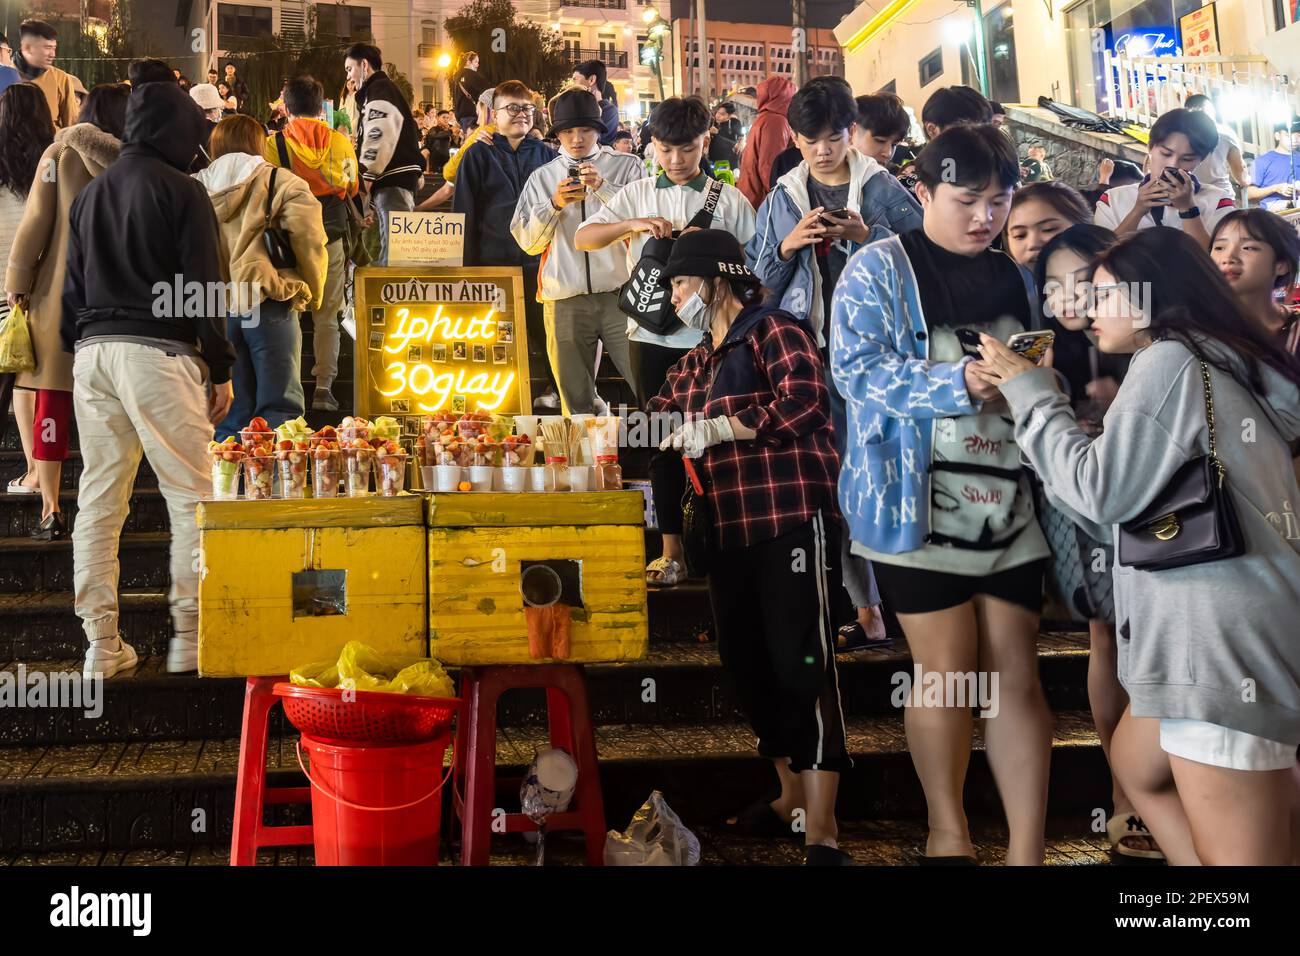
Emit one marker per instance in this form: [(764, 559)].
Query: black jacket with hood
[(142, 226)]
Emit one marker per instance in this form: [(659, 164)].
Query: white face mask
[(695, 312)]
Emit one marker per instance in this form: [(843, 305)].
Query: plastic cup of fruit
[(291, 473), (353, 432), (357, 465), (390, 474), (325, 472), (258, 473), (513, 477), (225, 475), (446, 477), (248, 438), (480, 477)]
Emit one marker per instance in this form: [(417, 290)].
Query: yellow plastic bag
[(364, 668), (16, 353)]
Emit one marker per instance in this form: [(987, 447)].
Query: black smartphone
[(970, 342), (834, 214), (1173, 176)]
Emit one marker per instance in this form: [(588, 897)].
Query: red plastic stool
[(569, 718), (251, 791)]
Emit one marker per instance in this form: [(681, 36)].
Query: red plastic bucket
[(376, 805)]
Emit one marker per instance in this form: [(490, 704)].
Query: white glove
[(694, 436)]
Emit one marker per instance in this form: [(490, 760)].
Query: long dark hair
[(1190, 300), (26, 131), (105, 107), (1272, 230)]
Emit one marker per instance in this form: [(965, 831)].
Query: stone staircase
[(149, 775)]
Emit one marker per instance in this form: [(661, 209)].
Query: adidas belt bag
[(645, 298)]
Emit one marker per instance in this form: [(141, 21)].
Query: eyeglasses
[(518, 109)]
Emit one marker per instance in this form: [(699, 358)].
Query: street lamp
[(652, 53)]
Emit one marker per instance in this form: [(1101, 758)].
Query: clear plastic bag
[(367, 669), (655, 837)]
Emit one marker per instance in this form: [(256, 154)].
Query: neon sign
[(440, 339)]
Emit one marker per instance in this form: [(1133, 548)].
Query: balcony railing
[(1251, 93), (613, 59), (597, 4), (428, 51)]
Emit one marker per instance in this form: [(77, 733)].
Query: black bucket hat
[(708, 253), (574, 108)]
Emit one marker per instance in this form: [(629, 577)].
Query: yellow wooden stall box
[(285, 583), (583, 550)]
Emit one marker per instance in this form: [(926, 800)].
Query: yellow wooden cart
[(285, 583), (488, 551)]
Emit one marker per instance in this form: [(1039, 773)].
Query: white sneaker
[(105, 658), (182, 655)]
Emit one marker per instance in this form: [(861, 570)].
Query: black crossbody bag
[(644, 297), (276, 240), (1193, 520)]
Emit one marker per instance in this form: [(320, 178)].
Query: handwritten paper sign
[(441, 339), (426, 238)]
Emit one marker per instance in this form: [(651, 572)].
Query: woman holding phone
[(935, 496), (1207, 650)]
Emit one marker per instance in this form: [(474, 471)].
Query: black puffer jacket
[(142, 226)]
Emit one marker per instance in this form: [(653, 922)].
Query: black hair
[(105, 107), (1189, 299), (303, 96), (821, 107), (141, 72), (1062, 197), (969, 156), (956, 104), (1199, 129), (1125, 172), (883, 114), (5, 40), (1197, 101), (622, 134), (368, 52), (26, 131), (727, 105), (37, 28), (1272, 230), (998, 108), (1084, 238), (679, 120), (590, 68)]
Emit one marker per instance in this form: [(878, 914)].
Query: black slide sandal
[(759, 820)]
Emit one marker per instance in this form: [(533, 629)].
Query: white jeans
[(325, 320), (130, 399)]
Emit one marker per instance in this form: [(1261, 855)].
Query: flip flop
[(818, 854), (16, 487), (759, 820), (1120, 828)]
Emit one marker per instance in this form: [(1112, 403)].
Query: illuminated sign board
[(441, 339)]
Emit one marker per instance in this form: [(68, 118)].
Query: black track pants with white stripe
[(772, 614)]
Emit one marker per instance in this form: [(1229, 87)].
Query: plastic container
[(225, 475), (357, 465), (444, 477), (609, 474), (480, 477), (259, 474), (537, 478), (556, 472), (375, 805), (390, 474), (291, 474), (514, 478), (579, 477), (325, 473)]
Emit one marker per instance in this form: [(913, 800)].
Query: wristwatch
[(1190, 213)]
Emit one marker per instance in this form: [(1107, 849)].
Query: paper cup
[(548, 785)]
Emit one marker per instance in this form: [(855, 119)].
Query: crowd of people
[(837, 364)]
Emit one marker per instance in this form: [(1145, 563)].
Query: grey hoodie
[(1218, 642)]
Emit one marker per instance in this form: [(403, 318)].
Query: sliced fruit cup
[(357, 465), (325, 472), (291, 473), (259, 471), (390, 473), (252, 438), (225, 474)]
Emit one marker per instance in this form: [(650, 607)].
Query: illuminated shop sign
[(440, 339)]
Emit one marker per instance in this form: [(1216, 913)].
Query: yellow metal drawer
[(476, 608)]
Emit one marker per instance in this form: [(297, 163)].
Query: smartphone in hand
[(834, 214), (1032, 345)]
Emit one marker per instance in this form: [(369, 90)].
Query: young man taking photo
[(1170, 195), (324, 158), (649, 208), (579, 289), (489, 182)]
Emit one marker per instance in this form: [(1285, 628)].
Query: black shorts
[(917, 591)]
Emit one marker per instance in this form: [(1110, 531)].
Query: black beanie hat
[(575, 108), (708, 253)]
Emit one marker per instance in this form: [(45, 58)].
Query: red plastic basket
[(366, 716)]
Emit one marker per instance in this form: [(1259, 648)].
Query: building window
[(351, 22), (236, 20), (931, 67), (1000, 52)]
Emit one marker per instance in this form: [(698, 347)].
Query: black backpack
[(646, 299)]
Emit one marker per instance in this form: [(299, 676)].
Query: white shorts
[(1223, 747)]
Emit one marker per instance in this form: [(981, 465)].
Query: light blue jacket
[(887, 209), (879, 344)]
